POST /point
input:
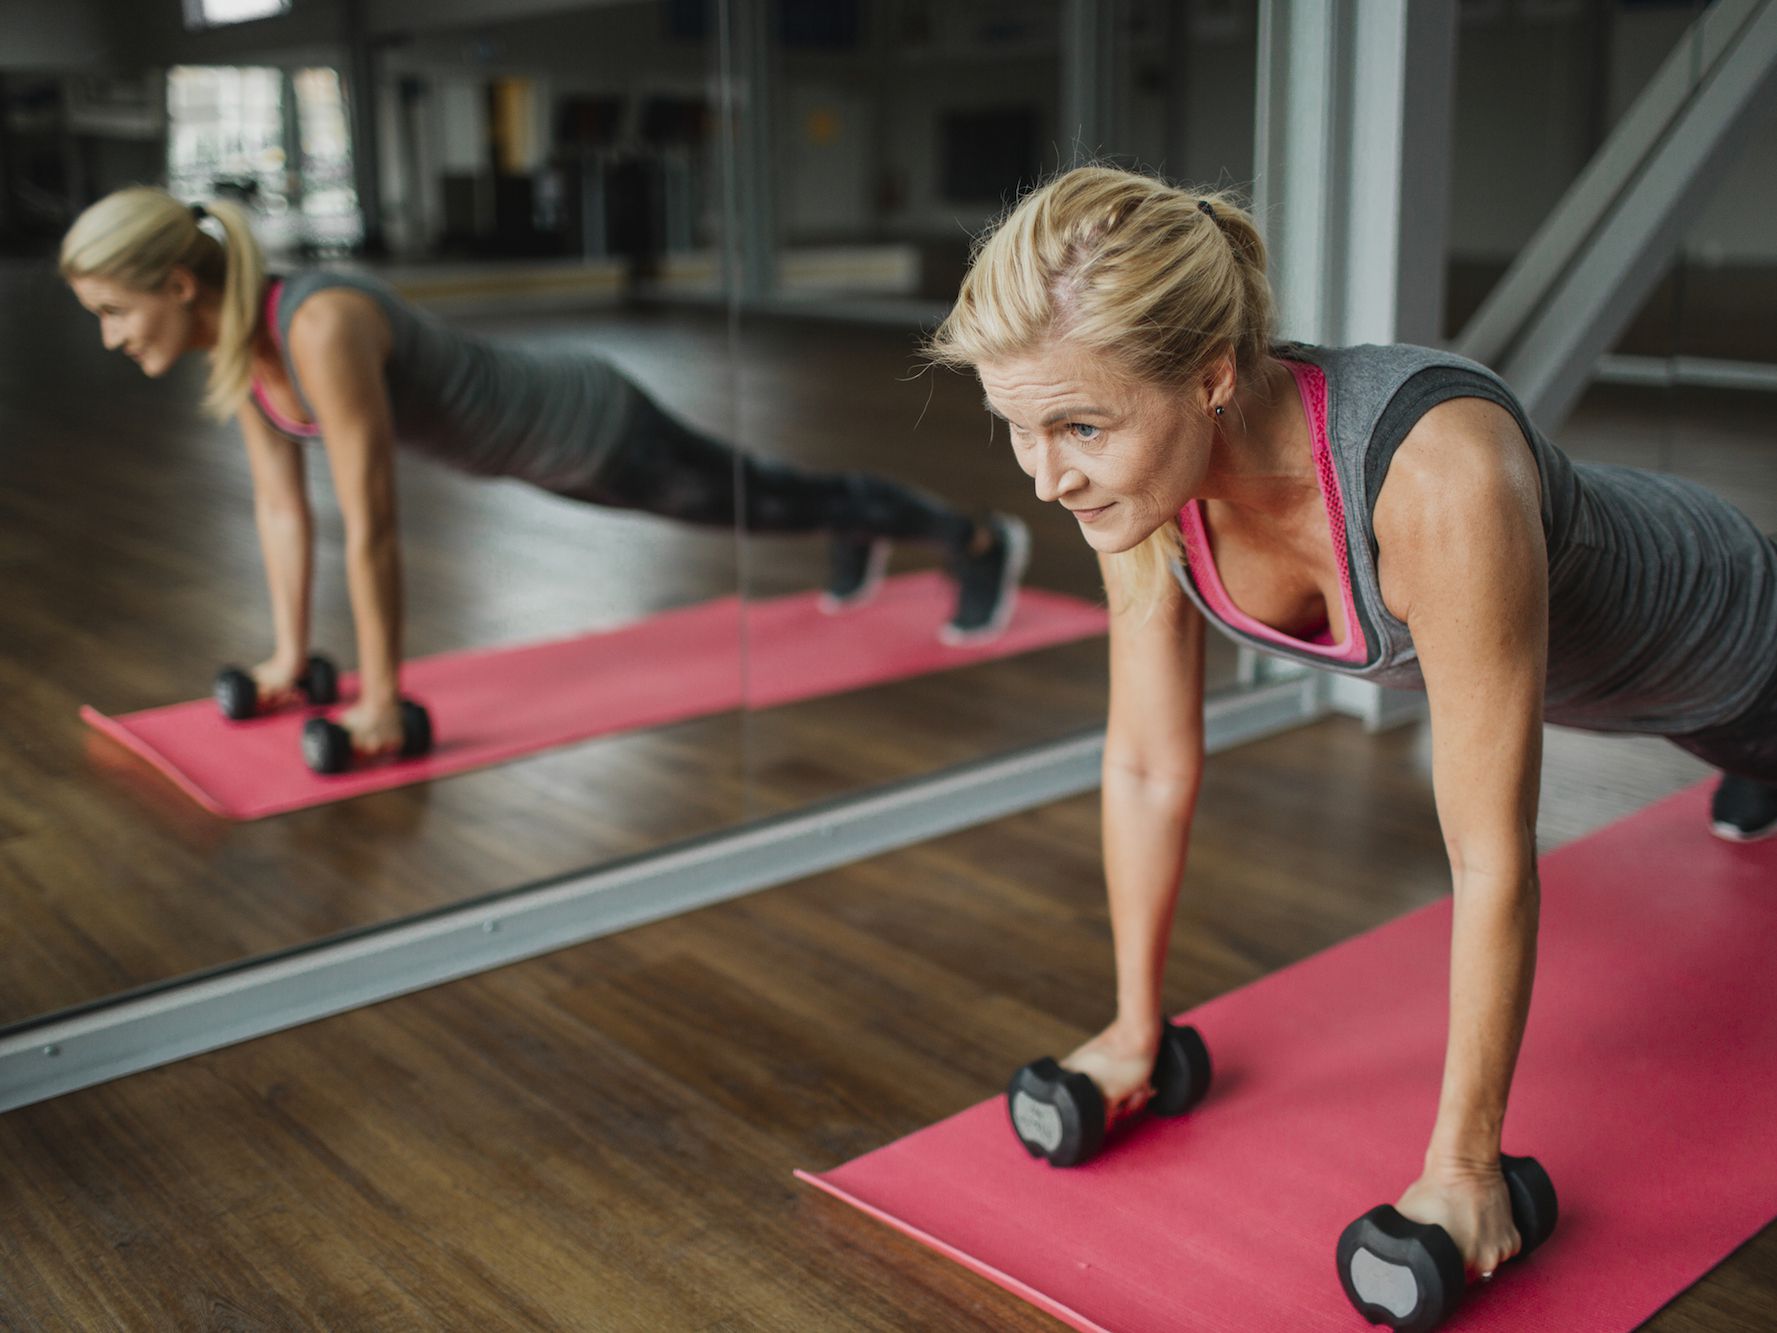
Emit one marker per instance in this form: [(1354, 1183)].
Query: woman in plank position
[(1386, 512), (342, 358)]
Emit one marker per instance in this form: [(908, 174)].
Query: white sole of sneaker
[(875, 570), (1017, 558), (1730, 833)]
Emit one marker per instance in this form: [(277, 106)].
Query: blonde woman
[(1387, 512), (342, 359)]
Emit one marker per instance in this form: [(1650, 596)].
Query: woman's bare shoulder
[(339, 320), (1464, 471)]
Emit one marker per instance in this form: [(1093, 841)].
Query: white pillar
[(1352, 183), (1398, 204), (1088, 79), (1351, 161)]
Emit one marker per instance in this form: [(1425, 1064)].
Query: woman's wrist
[(1468, 1145), (1456, 1170), (1137, 1029), (379, 691)]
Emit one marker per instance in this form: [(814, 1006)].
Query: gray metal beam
[(109, 1039), (362, 63), (1690, 372), (745, 61), (1525, 289), (1600, 291)]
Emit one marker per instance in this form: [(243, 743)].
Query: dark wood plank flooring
[(602, 1139)]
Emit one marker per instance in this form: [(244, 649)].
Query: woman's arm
[(286, 541), (339, 344), (1153, 762), (1463, 562)]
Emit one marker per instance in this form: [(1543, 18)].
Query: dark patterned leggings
[(1746, 746), (665, 467)]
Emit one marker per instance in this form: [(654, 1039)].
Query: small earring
[(1218, 410)]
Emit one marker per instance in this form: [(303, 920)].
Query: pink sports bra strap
[(274, 293), (1311, 384)]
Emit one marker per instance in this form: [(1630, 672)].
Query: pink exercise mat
[(492, 705), (1647, 1088)]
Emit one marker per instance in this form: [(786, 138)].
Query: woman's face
[(153, 329), (1122, 458)]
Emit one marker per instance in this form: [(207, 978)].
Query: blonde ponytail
[(137, 236), (1143, 574), (243, 284), (1160, 282)]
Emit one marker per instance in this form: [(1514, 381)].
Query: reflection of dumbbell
[(1059, 1113), (1411, 1276), (327, 746), (237, 693)]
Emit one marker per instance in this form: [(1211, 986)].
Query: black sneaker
[(987, 584), (1743, 810), (855, 567)]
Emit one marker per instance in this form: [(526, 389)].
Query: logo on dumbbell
[(1410, 1275), (1060, 1114), (1391, 1286), (1036, 1122)]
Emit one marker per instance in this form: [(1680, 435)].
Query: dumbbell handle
[(1379, 1251), (1178, 1081), (1532, 1196), (1535, 1208)]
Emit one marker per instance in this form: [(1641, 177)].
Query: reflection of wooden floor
[(126, 525), (603, 1139)]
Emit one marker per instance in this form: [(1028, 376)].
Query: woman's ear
[(181, 285), (1219, 384)]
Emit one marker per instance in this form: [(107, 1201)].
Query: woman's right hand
[(375, 728), (276, 680), (1120, 1060)]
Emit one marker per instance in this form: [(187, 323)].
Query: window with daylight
[(216, 13)]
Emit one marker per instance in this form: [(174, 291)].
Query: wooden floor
[(602, 1139)]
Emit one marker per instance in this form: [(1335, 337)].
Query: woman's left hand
[(1473, 1206)]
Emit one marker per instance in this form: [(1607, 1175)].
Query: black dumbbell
[(237, 693), (327, 746), (1059, 1114), (1410, 1276)]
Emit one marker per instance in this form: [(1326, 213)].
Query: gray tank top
[(1662, 597), (549, 416)]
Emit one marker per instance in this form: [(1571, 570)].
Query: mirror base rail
[(185, 1016)]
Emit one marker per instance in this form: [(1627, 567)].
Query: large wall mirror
[(551, 184)]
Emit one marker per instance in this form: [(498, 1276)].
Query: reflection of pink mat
[(1647, 1088), (492, 705)]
